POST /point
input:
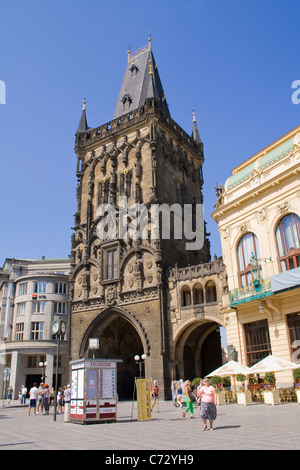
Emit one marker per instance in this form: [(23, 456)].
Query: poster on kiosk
[(94, 390)]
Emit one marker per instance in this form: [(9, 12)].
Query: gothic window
[(110, 262), (258, 345), (186, 297), (288, 241), (210, 292), (126, 184), (103, 192), (198, 294), (247, 247)]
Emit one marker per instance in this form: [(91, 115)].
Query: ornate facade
[(120, 285), (258, 216)]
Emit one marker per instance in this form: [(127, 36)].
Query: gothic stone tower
[(118, 286)]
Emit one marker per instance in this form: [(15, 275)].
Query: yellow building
[(258, 216)]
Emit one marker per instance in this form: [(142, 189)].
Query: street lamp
[(58, 329), (139, 360), (43, 365)]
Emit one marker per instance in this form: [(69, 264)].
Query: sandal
[(205, 427), (183, 414), (192, 417)]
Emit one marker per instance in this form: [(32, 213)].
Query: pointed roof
[(195, 134), (141, 81), (82, 126)]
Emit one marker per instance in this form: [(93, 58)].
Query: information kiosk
[(94, 390)]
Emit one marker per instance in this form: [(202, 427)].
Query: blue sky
[(232, 61)]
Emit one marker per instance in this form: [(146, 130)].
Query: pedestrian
[(32, 398), (67, 398), (67, 394), (208, 409), (52, 395), (23, 394), (10, 392), (154, 395), (46, 399), (189, 399), (178, 401), (40, 398), (59, 400)]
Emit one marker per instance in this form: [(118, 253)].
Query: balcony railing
[(256, 290)]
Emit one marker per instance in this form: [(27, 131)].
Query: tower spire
[(141, 81), (195, 134), (82, 126)]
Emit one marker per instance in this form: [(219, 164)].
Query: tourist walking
[(40, 398), (189, 399), (10, 392), (154, 395), (23, 395), (46, 399), (32, 398), (59, 400), (208, 409)]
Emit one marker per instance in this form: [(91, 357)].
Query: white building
[(33, 293)]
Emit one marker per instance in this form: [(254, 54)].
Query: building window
[(32, 361), (60, 307), (38, 306), (247, 247), (19, 331), (186, 297), (126, 184), (293, 322), (37, 330), (21, 308), (23, 288), (210, 292), (111, 264), (288, 241), (39, 287), (258, 345), (103, 192), (198, 294), (60, 288)]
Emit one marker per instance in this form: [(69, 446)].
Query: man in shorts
[(32, 398)]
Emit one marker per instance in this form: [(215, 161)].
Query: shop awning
[(285, 280)]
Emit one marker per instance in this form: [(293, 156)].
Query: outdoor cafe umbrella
[(272, 364), (231, 368)]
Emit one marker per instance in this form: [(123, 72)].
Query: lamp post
[(58, 329), (43, 366), (140, 360)]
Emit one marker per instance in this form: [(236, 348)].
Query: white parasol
[(272, 364), (230, 368)]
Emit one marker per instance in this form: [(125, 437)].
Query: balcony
[(254, 291)]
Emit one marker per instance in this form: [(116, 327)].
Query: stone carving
[(261, 215), (282, 208), (111, 295)]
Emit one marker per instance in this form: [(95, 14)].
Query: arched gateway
[(120, 337)]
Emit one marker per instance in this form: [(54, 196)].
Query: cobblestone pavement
[(252, 427)]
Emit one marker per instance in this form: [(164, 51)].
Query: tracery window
[(288, 241)]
